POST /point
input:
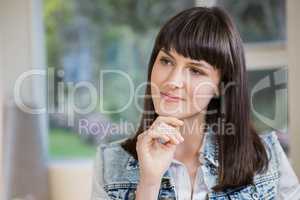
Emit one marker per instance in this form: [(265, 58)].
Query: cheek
[(202, 92), (158, 75), (205, 88), (157, 79)]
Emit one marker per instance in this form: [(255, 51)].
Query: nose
[(175, 79), (173, 84)]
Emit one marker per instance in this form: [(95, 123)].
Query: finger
[(168, 145), (170, 120), (165, 128), (152, 135), (173, 139), (170, 130), (167, 137)]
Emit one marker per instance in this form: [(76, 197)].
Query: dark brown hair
[(209, 34)]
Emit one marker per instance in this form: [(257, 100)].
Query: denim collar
[(210, 149)]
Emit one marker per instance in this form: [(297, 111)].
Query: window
[(84, 38), (258, 21)]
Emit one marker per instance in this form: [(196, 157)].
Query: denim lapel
[(209, 152)]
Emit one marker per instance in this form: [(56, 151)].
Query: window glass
[(83, 39)]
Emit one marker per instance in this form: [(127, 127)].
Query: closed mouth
[(171, 97)]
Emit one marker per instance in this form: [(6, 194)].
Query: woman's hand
[(154, 155)]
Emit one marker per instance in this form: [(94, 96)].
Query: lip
[(169, 97)]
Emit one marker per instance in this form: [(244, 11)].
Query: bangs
[(198, 36)]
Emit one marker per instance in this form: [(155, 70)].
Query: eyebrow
[(166, 52), (198, 64)]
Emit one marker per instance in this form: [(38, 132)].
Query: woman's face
[(182, 87)]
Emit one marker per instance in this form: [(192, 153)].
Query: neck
[(192, 132)]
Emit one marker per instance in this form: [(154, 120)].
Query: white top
[(183, 186)]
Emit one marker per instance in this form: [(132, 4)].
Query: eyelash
[(166, 61), (197, 72)]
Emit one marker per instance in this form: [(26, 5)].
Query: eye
[(196, 71), (165, 61)]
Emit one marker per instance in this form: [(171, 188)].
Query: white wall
[(70, 180), (21, 49), (1, 122), (22, 44), (1, 136), (293, 24)]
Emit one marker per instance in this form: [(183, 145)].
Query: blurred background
[(51, 50)]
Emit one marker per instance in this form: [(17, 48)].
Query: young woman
[(195, 139)]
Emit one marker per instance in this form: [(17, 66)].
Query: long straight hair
[(209, 34)]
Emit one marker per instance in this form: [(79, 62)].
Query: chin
[(166, 113), (178, 115)]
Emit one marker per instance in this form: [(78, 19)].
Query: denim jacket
[(120, 174)]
